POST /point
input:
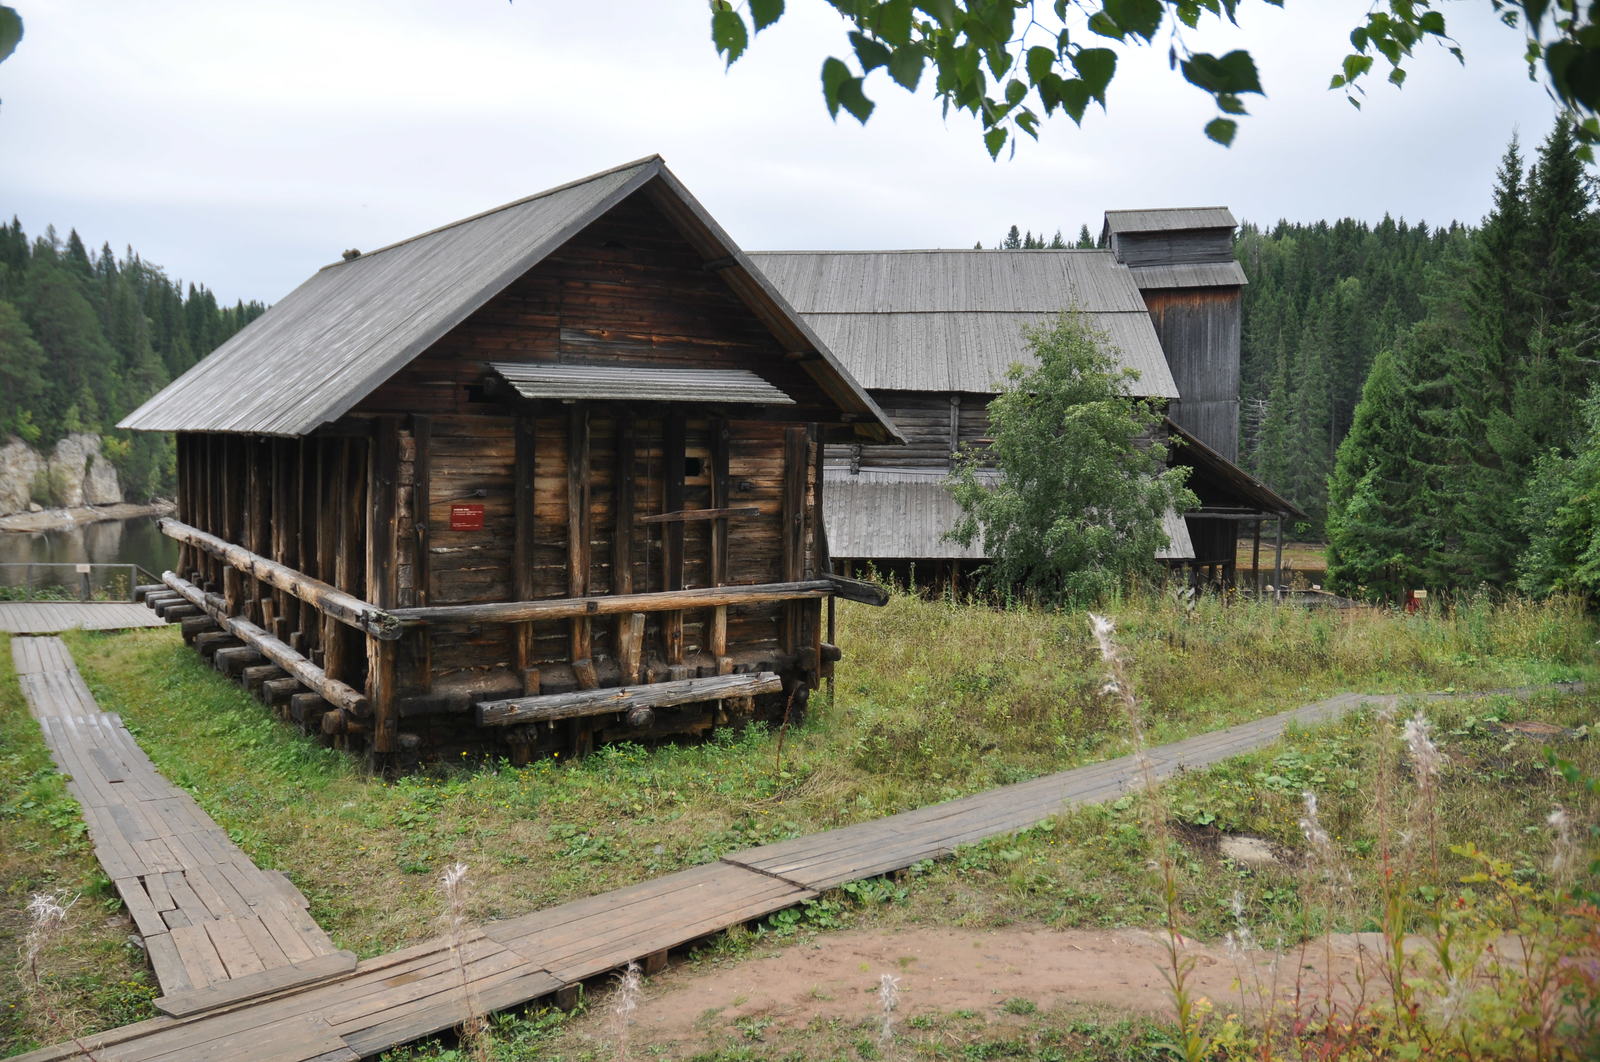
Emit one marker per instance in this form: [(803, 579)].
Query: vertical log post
[(630, 627), (795, 467), (579, 535), (383, 462), (522, 487), (283, 517), (306, 626), (820, 563), (210, 565), (1277, 565), (258, 519), (332, 456), (422, 563), (673, 445), (720, 446), (186, 471), (1255, 557), (233, 520)]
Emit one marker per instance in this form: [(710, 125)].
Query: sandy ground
[(837, 976)]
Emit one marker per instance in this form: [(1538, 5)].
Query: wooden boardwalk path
[(53, 617), (216, 926), (394, 999)]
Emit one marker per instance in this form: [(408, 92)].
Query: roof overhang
[(639, 383), (1245, 496)]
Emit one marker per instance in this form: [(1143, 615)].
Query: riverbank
[(66, 519)]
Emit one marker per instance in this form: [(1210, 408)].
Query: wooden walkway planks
[(418, 991), (213, 923), (53, 617)]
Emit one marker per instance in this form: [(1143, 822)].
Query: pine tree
[(1085, 239), (1013, 240), (1372, 550), (22, 367)]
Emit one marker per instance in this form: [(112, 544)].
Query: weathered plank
[(623, 698)]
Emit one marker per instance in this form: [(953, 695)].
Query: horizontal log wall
[(935, 423)]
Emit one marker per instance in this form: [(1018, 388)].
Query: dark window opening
[(693, 467)]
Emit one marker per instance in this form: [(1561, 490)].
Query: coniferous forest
[(1473, 455), (1430, 395), (85, 338)]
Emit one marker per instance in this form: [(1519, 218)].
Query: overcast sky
[(244, 144)]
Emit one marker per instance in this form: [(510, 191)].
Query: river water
[(136, 541)]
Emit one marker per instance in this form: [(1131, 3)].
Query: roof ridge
[(947, 250), (636, 163), (1170, 210)]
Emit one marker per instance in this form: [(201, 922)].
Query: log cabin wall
[(936, 424), (400, 504), (628, 290)]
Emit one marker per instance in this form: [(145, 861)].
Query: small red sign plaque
[(466, 517)]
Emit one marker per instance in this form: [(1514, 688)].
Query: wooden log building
[(931, 334), (541, 477)]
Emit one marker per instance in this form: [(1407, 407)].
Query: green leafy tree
[(1069, 499), (1011, 63)]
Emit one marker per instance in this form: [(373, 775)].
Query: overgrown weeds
[(935, 699)]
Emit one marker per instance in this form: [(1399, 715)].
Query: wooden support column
[(522, 575), (580, 533), (186, 494), (233, 485), (673, 444), (212, 505), (793, 511), (257, 519), (422, 564), (332, 457), (282, 518), (819, 565), (720, 446), (1277, 565), (1255, 558), (629, 636), (305, 545), (383, 462)]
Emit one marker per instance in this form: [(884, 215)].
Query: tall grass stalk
[(888, 1000), (1192, 1044), (624, 1003), (453, 885), (47, 915)]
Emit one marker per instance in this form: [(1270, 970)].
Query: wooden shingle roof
[(333, 340)]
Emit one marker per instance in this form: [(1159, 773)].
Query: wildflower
[(1238, 940), (888, 999), (1426, 758), (1563, 849)]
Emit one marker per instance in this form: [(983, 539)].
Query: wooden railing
[(387, 625)]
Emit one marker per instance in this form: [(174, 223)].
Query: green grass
[(934, 700), (94, 975)]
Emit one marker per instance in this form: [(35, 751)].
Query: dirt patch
[(836, 977)]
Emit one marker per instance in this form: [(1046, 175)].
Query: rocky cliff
[(75, 473)]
